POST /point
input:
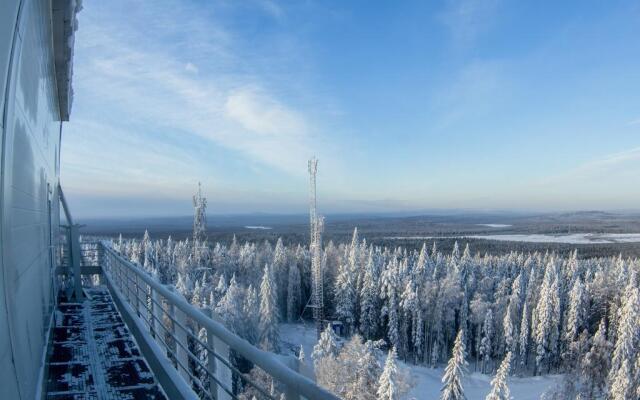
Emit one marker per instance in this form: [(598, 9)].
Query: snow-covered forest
[(521, 314)]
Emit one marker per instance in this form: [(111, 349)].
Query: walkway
[(94, 356)]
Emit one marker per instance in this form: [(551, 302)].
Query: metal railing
[(208, 357)]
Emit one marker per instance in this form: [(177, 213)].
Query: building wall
[(29, 211)]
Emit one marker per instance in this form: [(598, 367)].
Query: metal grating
[(94, 356)]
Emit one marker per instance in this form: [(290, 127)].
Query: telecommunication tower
[(199, 217), (315, 247)]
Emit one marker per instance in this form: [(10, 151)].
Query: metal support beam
[(74, 248)]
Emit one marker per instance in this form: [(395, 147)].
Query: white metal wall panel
[(30, 147)]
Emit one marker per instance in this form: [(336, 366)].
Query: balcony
[(119, 333)]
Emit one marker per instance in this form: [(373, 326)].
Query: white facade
[(34, 99)]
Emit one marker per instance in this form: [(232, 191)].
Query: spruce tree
[(595, 364), (387, 386), (454, 372), (486, 342), (499, 388), (327, 345), (577, 313), (268, 313), (345, 297), (621, 387), (369, 301), (367, 373), (628, 338), (524, 336), (294, 293)]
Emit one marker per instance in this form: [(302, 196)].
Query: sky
[(409, 106)]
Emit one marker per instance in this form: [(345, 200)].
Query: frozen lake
[(495, 225), (258, 227), (574, 238)]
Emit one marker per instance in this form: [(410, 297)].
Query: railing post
[(74, 246), (290, 393), (180, 337), (136, 285), (101, 262), (211, 365), (130, 287), (211, 358), (222, 371), (158, 313)]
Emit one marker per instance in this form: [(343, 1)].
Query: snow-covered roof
[(65, 24)]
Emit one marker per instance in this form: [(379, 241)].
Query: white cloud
[(634, 122), (189, 67), (259, 113), (272, 8), (145, 84), (468, 19)]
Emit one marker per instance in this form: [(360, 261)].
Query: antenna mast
[(199, 216), (315, 247)]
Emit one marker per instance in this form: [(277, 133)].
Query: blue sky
[(410, 105)]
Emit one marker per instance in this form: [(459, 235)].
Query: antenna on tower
[(315, 246), (199, 216)]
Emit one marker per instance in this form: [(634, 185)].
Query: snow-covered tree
[(367, 373), (499, 388), (228, 306), (577, 313), (628, 340), (294, 293), (508, 330), (595, 364), (268, 313), (369, 301), (546, 329), (454, 372), (523, 341), (345, 297), (327, 345), (387, 386), (325, 361), (486, 342), (621, 387), (251, 314)]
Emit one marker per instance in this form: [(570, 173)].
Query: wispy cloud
[(468, 19), (610, 167), (473, 91), (272, 8), (237, 111), (634, 122)]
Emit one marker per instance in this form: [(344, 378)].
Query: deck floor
[(94, 356)]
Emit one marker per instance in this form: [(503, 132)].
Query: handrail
[(73, 236), (265, 360), (65, 206)]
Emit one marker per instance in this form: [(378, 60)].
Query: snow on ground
[(294, 335), (426, 381), (574, 238), (477, 386), (260, 227), (495, 225)]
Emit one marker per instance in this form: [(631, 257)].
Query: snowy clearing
[(574, 238), (257, 227), (477, 386), (495, 225), (426, 382)]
